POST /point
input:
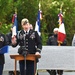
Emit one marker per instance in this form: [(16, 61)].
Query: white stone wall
[(52, 57)]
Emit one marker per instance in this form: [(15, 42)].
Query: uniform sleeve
[(16, 42), (8, 38), (38, 42), (64, 43), (4, 42), (49, 41)]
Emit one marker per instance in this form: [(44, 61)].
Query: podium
[(31, 57)]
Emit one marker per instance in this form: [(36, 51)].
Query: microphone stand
[(25, 53)]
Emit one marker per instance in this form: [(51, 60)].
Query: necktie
[(26, 33)]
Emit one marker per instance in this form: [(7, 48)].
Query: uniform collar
[(26, 31)]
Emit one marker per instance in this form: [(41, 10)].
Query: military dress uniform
[(2, 60), (32, 43), (52, 41)]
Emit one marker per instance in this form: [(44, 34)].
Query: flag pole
[(15, 10), (39, 5), (14, 24), (59, 42)]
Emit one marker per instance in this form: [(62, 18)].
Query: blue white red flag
[(60, 18), (14, 28), (37, 26), (61, 32)]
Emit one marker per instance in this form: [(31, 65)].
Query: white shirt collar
[(26, 31)]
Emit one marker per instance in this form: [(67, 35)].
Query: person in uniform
[(30, 43), (52, 41), (2, 58), (31, 26)]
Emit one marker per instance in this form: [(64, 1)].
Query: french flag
[(37, 26), (61, 32), (14, 28)]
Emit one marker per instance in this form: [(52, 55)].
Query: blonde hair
[(24, 21)]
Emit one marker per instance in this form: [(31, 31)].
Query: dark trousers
[(51, 72), (54, 72), (29, 67), (1, 69), (60, 72)]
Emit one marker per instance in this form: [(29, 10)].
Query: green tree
[(5, 10), (51, 9), (29, 9)]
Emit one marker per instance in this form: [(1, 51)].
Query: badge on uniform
[(32, 36), (1, 39), (21, 37)]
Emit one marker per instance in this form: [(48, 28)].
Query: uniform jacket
[(2, 43), (8, 38), (30, 40)]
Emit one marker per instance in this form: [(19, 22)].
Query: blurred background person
[(3, 43), (52, 41)]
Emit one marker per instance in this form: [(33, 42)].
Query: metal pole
[(25, 55)]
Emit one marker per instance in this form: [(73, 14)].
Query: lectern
[(31, 57)]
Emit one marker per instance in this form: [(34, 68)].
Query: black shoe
[(11, 73), (49, 71), (52, 72), (37, 74)]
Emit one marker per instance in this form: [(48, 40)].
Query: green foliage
[(4, 28), (29, 9), (44, 33), (51, 9), (5, 10)]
